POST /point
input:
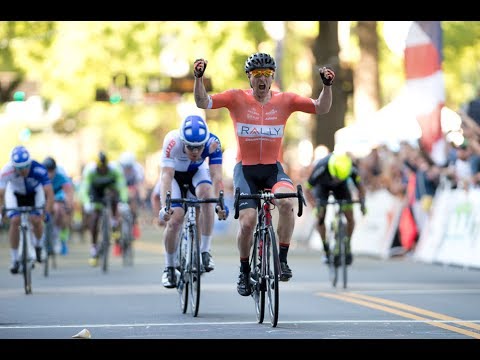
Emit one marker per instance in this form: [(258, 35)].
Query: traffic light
[(115, 98), (19, 96)]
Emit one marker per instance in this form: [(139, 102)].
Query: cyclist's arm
[(309, 194), (324, 101), (85, 188), (69, 194), (217, 178), (166, 183), (2, 197), (49, 197), (200, 93), (121, 185), (155, 199)]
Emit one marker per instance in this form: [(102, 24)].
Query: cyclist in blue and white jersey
[(64, 193), (183, 162), (25, 182)]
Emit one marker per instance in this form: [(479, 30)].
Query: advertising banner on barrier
[(452, 232)]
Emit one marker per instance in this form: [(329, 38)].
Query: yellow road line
[(416, 309), (405, 314)]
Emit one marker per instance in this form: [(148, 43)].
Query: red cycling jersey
[(259, 128)]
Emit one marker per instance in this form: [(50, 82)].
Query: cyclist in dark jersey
[(331, 174), (97, 180)]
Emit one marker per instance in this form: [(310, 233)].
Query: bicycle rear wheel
[(26, 263), (256, 278), (272, 274), (182, 280), (195, 271)]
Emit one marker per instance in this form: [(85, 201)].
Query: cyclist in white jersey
[(183, 162), (25, 182)]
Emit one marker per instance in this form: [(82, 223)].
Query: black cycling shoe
[(336, 260), (349, 259), (286, 272), (243, 284), (207, 261), (38, 253), (15, 269)]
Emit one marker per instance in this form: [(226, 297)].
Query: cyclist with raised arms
[(259, 117), (97, 180), (331, 174), (63, 206), (25, 182), (183, 162)]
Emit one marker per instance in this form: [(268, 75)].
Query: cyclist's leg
[(321, 194), (202, 183), (286, 217), (170, 238), (36, 220), (242, 178), (11, 201)]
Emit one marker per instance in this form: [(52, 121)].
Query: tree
[(366, 74), (326, 51)]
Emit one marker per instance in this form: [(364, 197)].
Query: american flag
[(424, 79)]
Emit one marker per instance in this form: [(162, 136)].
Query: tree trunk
[(326, 51), (366, 99)]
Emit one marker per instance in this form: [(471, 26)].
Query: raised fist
[(327, 74), (199, 67)]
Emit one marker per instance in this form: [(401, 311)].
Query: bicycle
[(48, 247), (264, 260), (336, 234), (126, 238), (189, 259), (105, 216), (26, 249)]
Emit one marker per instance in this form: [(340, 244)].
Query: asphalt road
[(385, 299)]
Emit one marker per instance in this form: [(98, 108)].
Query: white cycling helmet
[(194, 131), (127, 159)]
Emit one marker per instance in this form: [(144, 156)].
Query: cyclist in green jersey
[(98, 179)]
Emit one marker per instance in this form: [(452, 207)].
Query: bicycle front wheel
[(272, 274), (26, 264), (105, 241), (195, 271), (182, 280), (343, 251), (257, 279), (332, 268), (48, 247)]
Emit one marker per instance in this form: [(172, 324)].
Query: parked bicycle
[(189, 259), (264, 260), (26, 247), (336, 234)]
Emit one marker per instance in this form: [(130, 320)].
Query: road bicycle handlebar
[(340, 202), (218, 200), (23, 209), (269, 196)]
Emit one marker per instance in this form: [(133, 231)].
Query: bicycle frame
[(48, 246), (264, 259), (188, 254)]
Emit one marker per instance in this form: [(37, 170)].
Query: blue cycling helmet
[(259, 61), (194, 131), (20, 157)]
